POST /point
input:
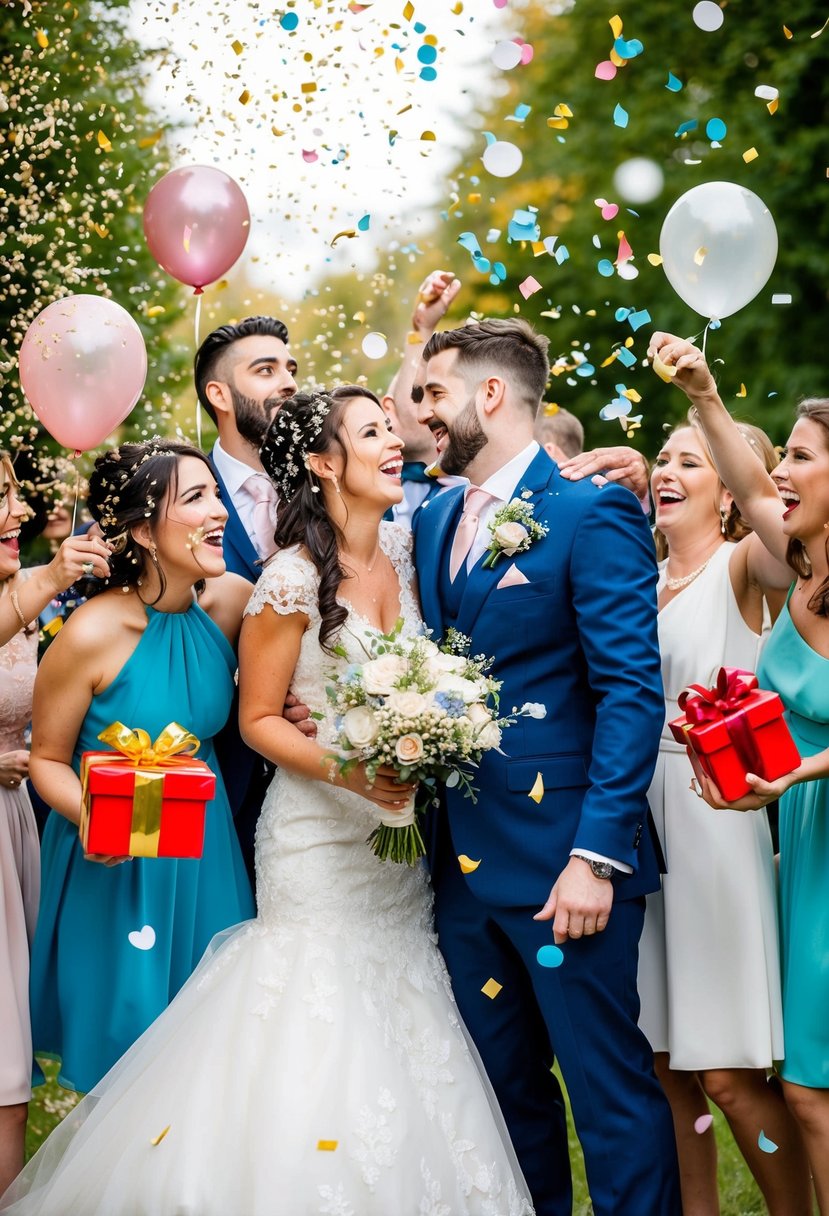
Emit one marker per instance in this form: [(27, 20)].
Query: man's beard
[(466, 439), (253, 417)]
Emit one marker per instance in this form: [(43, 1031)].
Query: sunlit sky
[(335, 88)]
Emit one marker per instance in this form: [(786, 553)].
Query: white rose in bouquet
[(478, 714), (510, 537), (469, 690), (488, 737), (360, 725), (441, 662), (409, 749), (408, 702), (381, 675)]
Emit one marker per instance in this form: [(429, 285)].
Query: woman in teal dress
[(117, 938), (795, 664)]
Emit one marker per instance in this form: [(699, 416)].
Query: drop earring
[(723, 519), (336, 483), (153, 553)]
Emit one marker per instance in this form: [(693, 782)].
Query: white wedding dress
[(315, 1062)]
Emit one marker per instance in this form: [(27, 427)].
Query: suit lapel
[(481, 581), (436, 522), (239, 551)]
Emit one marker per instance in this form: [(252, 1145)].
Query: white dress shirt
[(234, 473)]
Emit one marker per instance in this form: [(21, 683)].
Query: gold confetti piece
[(700, 255), (558, 124), (398, 67), (663, 371), (473, 198), (327, 1146), (654, 259), (308, 87), (54, 625), (101, 229), (632, 395), (349, 232), (616, 25), (551, 409), (537, 791), (616, 58), (156, 310), (157, 1139), (237, 46), (360, 317), (563, 111), (742, 392), (610, 359), (408, 10), (750, 155), (468, 866), (104, 142), (491, 989), (413, 339), (276, 131), (428, 136), (42, 39), (244, 97), (772, 105), (457, 9), (629, 425), (818, 33), (787, 31), (149, 140)]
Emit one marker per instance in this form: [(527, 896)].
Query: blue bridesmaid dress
[(800, 675), (114, 945)]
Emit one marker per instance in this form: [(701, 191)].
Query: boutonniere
[(513, 529)]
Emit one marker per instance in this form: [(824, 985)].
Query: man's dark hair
[(215, 345), (510, 348)]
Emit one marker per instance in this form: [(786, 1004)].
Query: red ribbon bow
[(726, 697)]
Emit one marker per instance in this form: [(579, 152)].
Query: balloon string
[(77, 490), (198, 403)]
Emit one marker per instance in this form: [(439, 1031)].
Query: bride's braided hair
[(305, 424)]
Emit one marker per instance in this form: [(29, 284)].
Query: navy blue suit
[(245, 773), (580, 637)]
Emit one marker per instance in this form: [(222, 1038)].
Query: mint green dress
[(114, 945), (800, 675)]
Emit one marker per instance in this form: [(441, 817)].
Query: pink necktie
[(262, 491), (475, 503)]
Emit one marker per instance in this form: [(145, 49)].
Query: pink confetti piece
[(703, 1123), (625, 250), (605, 70), (309, 157), (609, 210), (529, 287)]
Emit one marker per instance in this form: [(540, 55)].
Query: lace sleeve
[(289, 583)]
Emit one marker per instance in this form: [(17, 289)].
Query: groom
[(557, 848)]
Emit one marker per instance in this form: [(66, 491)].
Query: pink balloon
[(196, 221), (83, 364)]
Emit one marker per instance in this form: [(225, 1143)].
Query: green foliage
[(772, 350), (79, 151)]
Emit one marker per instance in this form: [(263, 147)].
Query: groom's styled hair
[(509, 348)]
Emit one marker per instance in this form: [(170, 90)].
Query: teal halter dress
[(800, 675), (114, 945)]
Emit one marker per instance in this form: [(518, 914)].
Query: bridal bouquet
[(429, 711)]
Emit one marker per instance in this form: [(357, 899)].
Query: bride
[(315, 1062)]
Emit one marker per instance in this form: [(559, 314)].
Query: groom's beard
[(253, 417), (466, 438)]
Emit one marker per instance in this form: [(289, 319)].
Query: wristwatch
[(601, 869)]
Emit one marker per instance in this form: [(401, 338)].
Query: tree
[(79, 150)]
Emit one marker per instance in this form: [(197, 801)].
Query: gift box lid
[(113, 775), (759, 708)]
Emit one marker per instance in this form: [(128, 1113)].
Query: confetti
[(375, 346), (537, 791), (609, 210), (289, 21), (156, 1140), (700, 255), (716, 129), (244, 97), (605, 267), (685, 128), (237, 46), (104, 142), (742, 392), (750, 154), (605, 70), (468, 866), (655, 259), (620, 116), (42, 39), (707, 16), (816, 34), (766, 92), (502, 159), (673, 83), (506, 55), (491, 989), (663, 370), (529, 287), (628, 49), (327, 1146), (781, 298), (143, 939), (550, 956), (346, 232), (702, 1123), (766, 1145), (637, 319)]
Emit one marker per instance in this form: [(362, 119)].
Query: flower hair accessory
[(295, 428), (513, 529)]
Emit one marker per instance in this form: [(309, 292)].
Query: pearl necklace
[(674, 584)]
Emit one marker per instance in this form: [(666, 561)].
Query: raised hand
[(78, 557), (434, 297), (693, 374)]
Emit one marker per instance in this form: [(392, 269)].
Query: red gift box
[(736, 728), (145, 800)]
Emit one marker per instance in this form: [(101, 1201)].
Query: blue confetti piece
[(561, 254), (620, 116), (419, 27), (427, 53), (622, 314), (685, 127), (428, 74), (605, 267), (625, 356), (520, 114), (619, 407), (550, 956), (674, 84), (363, 224), (500, 270), (489, 137), (289, 21), (766, 1145), (469, 241), (637, 319), (628, 49), (481, 263), (716, 129), (585, 369)]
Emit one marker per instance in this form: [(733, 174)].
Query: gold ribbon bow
[(135, 744)]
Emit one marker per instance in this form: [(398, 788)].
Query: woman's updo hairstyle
[(127, 487), (304, 425)]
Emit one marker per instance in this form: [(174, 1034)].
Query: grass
[(739, 1195)]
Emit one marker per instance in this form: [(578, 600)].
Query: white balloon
[(718, 245), (638, 180), (502, 159), (375, 346), (506, 55), (708, 16)]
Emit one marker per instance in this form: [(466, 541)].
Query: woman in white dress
[(709, 965), (314, 1063)]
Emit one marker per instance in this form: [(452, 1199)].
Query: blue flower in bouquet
[(452, 704)]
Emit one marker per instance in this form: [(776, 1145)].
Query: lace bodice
[(18, 665)]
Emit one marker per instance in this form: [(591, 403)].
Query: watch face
[(602, 869)]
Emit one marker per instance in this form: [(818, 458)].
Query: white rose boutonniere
[(513, 530)]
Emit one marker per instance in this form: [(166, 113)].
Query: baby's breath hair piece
[(290, 440)]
